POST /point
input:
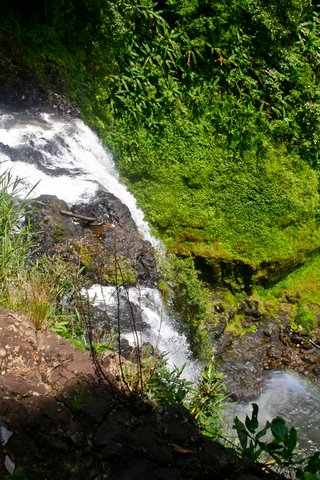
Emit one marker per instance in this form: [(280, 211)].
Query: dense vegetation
[(40, 287), (211, 109)]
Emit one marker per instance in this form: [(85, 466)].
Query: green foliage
[(75, 400), (15, 237), (276, 441), (297, 295), (188, 298), (306, 319), (311, 469), (280, 448), (216, 205), (109, 269), (212, 110), (119, 272), (206, 401), (42, 291), (41, 288), (165, 386)]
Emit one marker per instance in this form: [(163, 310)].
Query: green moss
[(110, 270), (90, 251), (306, 318), (186, 294), (58, 233), (118, 272)]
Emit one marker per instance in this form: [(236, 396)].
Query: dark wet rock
[(268, 329), (273, 345), (250, 308), (20, 88), (177, 425), (54, 230), (248, 322), (111, 249), (39, 415), (293, 298), (218, 328), (120, 237), (146, 470)]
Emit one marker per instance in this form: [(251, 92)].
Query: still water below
[(291, 396)]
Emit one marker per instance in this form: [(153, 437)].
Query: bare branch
[(78, 216)]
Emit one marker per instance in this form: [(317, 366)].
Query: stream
[(63, 157)]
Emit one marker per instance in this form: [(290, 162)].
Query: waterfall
[(152, 324), (63, 157)]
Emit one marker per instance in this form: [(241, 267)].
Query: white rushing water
[(63, 157), (151, 323)]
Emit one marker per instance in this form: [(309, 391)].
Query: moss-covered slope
[(211, 109)]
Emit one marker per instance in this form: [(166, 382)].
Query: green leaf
[(292, 438), (279, 429), (242, 432), (263, 431), (253, 423), (313, 465)]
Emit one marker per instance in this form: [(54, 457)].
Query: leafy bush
[(206, 401), (37, 288), (257, 445), (15, 237), (165, 386)]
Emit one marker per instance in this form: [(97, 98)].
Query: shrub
[(206, 401), (275, 441), (15, 238)]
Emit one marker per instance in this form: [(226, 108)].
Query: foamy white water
[(64, 158), (152, 324)]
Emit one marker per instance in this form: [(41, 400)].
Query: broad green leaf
[(253, 423), (242, 432), (279, 429)]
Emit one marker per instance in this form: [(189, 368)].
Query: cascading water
[(63, 157), (152, 325)]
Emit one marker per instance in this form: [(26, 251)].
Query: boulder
[(110, 248)]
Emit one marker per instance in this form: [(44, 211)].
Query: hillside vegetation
[(211, 109)]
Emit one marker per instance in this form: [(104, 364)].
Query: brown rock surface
[(69, 423)]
